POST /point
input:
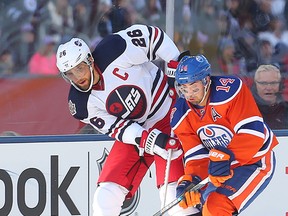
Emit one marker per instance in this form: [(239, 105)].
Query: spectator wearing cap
[(44, 60), (267, 91)]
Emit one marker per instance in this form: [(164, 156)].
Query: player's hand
[(171, 68), (220, 165), (156, 142), (172, 64), (192, 198)]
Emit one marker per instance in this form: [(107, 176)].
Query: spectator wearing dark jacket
[(267, 91)]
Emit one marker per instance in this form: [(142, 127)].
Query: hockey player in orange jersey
[(223, 137)]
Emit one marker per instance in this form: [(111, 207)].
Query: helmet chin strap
[(206, 88)]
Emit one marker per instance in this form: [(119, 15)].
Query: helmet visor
[(189, 89), (77, 72)]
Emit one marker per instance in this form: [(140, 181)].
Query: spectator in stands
[(44, 60), (6, 63), (186, 28), (153, 13), (277, 33), (80, 11), (24, 48), (265, 52), (227, 61), (119, 16), (267, 91), (60, 18)]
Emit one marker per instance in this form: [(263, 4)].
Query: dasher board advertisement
[(59, 178)]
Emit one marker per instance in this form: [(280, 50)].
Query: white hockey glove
[(156, 142)]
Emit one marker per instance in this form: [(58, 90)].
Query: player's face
[(267, 85), (81, 75), (193, 92)]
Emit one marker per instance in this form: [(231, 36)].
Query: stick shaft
[(191, 187)]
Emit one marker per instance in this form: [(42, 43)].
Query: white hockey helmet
[(71, 54)]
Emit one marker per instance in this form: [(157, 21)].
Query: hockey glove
[(172, 65), (171, 68), (156, 142), (219, 166), (190, 198)]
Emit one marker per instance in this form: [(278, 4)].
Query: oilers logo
[(212, 135)]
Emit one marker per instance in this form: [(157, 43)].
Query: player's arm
[(248, 126), (147, 43), (130, 132)]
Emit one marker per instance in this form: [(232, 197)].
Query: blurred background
[(237, 36)]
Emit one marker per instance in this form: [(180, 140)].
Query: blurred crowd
[(236, 35), (30, 30)]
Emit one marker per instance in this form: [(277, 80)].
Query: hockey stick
[(191, 187), (167, 171)]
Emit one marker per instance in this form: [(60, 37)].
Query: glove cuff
[(155, 136), (171, 68), (190, 178), (186, 177), (228, 152)]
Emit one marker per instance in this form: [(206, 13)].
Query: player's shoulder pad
[(77, 102), (109, 49), (178, 111), (224, 88)]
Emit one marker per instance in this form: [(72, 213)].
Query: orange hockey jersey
[(230, 119)]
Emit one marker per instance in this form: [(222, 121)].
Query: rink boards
[(57, 175)]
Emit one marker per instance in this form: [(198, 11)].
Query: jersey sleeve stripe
[(122, 130), (267, 144), (156, 38), (257, 120), (158, 44), (113, 130), (150, 39), (156, 81), (159, 92), (252, 132), (160, 102), (196, 153), (195, 157)]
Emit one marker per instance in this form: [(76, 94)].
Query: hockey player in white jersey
[(121, 93)]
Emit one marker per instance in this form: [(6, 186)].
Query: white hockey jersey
[(133, 93)]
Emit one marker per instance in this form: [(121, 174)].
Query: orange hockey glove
[(190, 198), (219, 166)]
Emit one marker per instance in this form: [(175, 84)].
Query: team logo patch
[(127, 102), (72, 107), (213, 135)]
